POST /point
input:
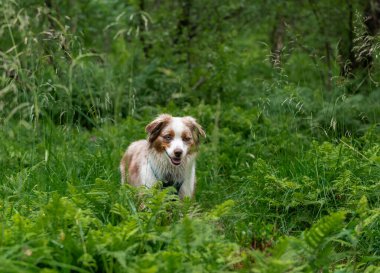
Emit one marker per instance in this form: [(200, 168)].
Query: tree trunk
[(328, 51), (185, 25), (277, 41), (372, 15)]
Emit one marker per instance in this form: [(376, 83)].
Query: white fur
[(177, 143), (184, 173)]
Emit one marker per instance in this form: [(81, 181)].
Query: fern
[(220, 210), (317, 235), (311, 252), (372, 269)]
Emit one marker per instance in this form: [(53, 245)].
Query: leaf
[(372, 269), (316, 236), (221, 210)]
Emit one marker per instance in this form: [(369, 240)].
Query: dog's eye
[(187, 139), (168, 137)]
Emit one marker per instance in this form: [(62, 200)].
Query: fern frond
[(220, 210), (316, 236), (372, 269)]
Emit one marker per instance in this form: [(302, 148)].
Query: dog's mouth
[(175, 160)]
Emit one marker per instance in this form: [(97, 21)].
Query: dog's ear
[(195, 128), (154, 128)]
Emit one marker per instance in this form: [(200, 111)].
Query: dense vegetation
[(287, 92)]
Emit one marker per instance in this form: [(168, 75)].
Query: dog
[(168, 155)]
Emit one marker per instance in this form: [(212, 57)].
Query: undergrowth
[(113, 229), (304, 206)]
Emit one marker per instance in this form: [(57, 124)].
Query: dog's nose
[(178, 152)]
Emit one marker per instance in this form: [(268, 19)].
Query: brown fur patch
[(159, 145), (123, 164), (133, 172), (131, 161), (155, 127), (169, 132), (186, 134), (196, 131), (193, 146), (195, 128)]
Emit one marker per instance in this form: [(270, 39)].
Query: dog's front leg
[(188, 186)]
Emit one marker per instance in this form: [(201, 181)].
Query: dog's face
[(176, 137)]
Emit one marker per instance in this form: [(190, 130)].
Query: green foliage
[(113, 230), (287, 178), (61, 202), (329, 245)]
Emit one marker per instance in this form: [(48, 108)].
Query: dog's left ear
[(195, 128), (154, 128)]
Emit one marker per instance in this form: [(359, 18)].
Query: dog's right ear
[(196, 129), (154, 128)]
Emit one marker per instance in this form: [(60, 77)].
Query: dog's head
[(177, 137)]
